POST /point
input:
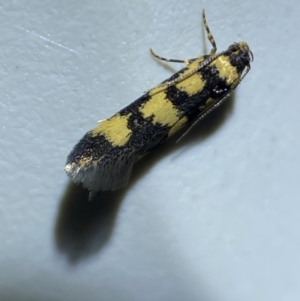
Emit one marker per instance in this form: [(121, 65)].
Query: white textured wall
[(215, 217)]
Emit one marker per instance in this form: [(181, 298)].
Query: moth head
[(241, 50), (240, 56)]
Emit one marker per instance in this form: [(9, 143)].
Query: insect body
[(103, 158)]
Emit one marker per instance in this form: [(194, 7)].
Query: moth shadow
[(83, 228)]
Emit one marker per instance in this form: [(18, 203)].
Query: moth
[(104, 157)]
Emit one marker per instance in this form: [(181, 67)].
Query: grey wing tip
[(97, 179)]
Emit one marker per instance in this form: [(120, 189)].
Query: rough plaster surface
[(215, 217)]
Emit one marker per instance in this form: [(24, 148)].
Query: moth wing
[(110, 172), (103, 159)]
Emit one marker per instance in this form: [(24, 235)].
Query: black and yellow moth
[(104, 157)]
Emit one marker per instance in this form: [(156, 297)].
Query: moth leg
[(209, 35), (185, 61)]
